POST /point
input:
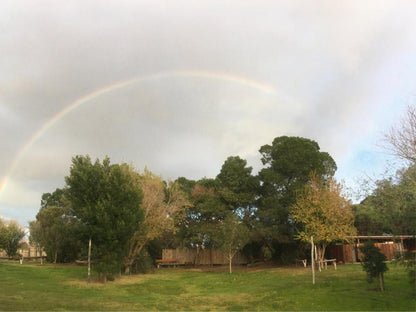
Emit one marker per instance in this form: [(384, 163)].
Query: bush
[(410, 263), (143, 263), (373, 263)]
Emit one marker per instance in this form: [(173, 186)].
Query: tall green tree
[(55, 228), (56, 199), (237, 186), (203, 216), (288, 162), (107, 202)]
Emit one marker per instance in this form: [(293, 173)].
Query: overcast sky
[(178, 86)]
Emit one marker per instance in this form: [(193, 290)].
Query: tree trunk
[(312, 261), (129, 262), (127, 269), (196, 261), (230, 260), (317, 258), (381, 282), (55, 256), (89, 260), (320, 255)]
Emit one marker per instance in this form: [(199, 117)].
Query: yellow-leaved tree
[(163, 203), (323, 213)]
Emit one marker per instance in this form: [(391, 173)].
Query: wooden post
[(401, 248), (89, 261), (312, 261)]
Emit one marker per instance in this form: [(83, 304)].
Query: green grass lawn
[(48, 287)]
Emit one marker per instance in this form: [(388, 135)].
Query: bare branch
[(401, 140)]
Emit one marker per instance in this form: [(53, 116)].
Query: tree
[(401, 140), (57, 232), (163, 204), (55, 228), (288, 163), (390, 208), (57, 199), (324, 213), (106, 200), (11, 235), (2, 233), (374, 263), (203, 217), (237, 187), (233, 236)]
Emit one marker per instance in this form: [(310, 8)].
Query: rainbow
[(120, 85)]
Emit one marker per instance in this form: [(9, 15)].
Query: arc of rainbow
[(119, 85)]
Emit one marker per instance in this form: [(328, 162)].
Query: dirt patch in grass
[(122, 280)]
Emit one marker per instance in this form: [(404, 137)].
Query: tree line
[(130, 216)]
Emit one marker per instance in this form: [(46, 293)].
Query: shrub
[(373, 263)]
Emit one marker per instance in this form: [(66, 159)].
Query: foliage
[(324, 213), (143, 263), (163, 205), (56, 199), (374, 263), (56, 229), (232, 237), (203, 216), (391, 208), (288, 163), (11, 235), (410, 264), (237, 187), (106, 200)]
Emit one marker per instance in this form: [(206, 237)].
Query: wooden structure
[(391, 246), (303, 261), (199, 256), (167, 262), (333, 261), (28, 252)]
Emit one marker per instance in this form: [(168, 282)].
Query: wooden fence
[(351, 253), (187, 256), (27, 252)]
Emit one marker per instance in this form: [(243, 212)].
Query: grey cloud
[(330, 64)]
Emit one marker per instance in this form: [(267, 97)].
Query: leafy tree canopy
[(288, 164), (391, 208), (324, 213), (11, 235), (164, 206), (55, 228), (237, 187), (107, 201)]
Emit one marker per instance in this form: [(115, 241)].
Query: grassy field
[(48, 287)]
